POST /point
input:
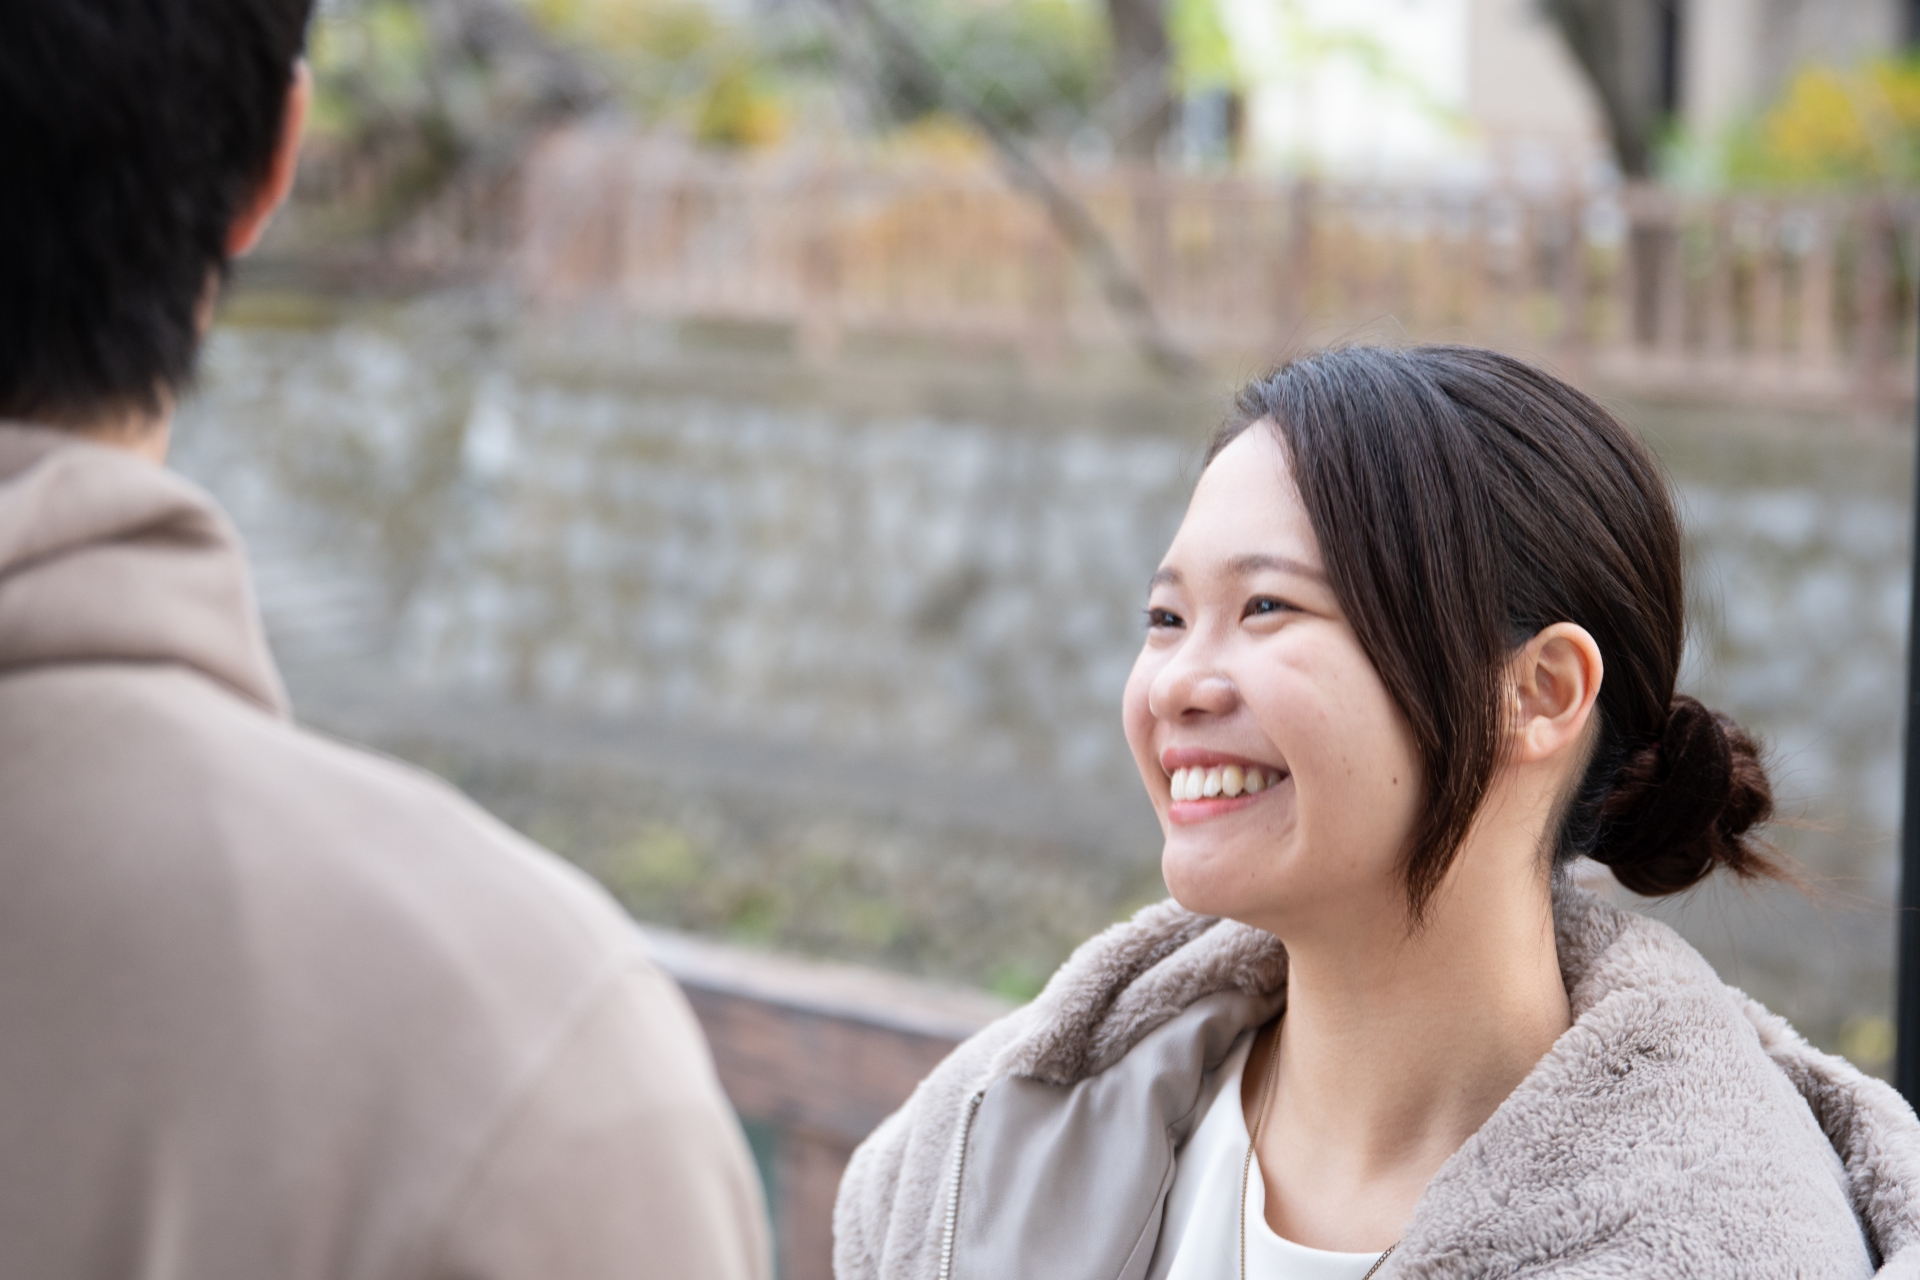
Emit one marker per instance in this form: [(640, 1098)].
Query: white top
[(1201, 1231)]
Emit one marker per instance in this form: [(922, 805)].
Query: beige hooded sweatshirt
[(274, 1009)]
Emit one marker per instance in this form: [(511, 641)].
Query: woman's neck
[(1394, 1050)]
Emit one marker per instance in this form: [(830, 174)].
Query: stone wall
[(830, 659)]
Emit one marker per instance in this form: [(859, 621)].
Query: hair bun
[(1684, 803)]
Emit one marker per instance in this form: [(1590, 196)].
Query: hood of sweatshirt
[(107, 557)]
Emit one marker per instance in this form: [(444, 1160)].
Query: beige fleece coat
[(1677, 1128), (274, 1009)]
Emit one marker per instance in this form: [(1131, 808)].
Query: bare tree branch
[(1070, 217)]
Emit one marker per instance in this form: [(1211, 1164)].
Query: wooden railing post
[(1818, 350), (1152, 246), (1630, 280), (811, 1165), (1046, 279), (817, 330), (1670, 293), (1570, 291), (1293, 283), (1763, 364), (1721, 300), (1873, 294)]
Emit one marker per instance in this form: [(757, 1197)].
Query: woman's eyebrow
[(1243, 565)]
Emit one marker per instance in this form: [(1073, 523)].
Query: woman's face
[(1297, 777)]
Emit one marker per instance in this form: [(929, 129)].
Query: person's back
[(269, 1007)]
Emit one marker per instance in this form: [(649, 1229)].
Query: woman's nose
[(1191, 687)]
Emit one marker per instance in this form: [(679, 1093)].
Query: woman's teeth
[(1222, 780)]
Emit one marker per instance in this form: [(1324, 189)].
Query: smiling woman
[(1413, 651)]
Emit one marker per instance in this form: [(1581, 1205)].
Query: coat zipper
[(955, 1169)]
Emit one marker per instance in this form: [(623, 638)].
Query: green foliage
[(1017, 980), (738, 110), (1035, 64), (369, 60), (659, 860), (669, 31), (380, 105), (385, 92), (1312, 46), (1835, 129), (1869, 1041), (663, 55), (1202, 51)]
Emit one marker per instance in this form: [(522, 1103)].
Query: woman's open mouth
[(1205, 791)]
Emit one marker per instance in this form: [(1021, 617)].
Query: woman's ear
[(1552, 682)]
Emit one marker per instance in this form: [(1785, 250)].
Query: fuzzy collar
[(1655, 1034)]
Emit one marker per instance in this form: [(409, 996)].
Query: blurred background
[(730, 438)]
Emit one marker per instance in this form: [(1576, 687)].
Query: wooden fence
[(813, 1056), (1801, 300)]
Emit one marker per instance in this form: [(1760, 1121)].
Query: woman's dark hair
[(1463, 501), (131, 133)]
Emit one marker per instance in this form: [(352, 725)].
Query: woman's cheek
[(1368, 797), (1136, 718)]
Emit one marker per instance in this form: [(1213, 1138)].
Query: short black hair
[(131, 134)]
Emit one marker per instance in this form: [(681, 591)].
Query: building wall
[(1371, 89), (1454, 91), (1739, 54), (1532, 107)]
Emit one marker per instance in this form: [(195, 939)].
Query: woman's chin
[(1262, 885), (1228, 864), (1206, 879)]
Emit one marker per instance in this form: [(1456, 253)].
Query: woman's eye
[(1266, 604), (1158, 619)]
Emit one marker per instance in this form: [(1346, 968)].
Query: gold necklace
[(1246, 1167)]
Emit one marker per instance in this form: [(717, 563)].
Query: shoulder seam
[(514, 1101)]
